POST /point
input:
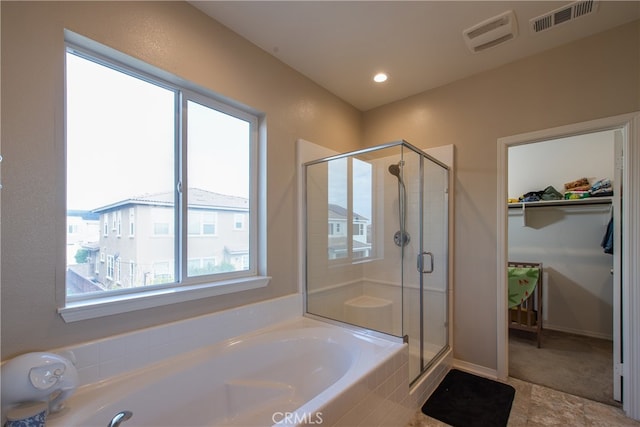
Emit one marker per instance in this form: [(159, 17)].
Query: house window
[(132, 222), (238, 222), (173, 133), (117, 270), (195, 224), (209, 221), (202, 223), (161, 228), (105, 225), (119, 224), (132, 271), (110, 267)]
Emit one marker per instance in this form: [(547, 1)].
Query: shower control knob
[(401, 238)]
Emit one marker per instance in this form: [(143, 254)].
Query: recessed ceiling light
[(380, 77)]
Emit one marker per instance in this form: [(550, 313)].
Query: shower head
[(401, 238), (394, 170)]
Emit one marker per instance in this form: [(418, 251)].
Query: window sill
[(99, 307)]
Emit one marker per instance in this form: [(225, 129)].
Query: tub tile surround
[(383, 397), (378, 395), (105, 358)]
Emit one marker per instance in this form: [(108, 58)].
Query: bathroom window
[(181, 167), (350, 186)]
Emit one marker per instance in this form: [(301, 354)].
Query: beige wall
[(592, 78), (175, 37)]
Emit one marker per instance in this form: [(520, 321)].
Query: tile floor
[(537, 406)]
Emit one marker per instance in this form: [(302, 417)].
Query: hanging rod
[(570, 202)]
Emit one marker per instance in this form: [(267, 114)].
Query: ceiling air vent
[(491, 32), (564, 14)]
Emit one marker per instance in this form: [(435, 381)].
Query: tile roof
[(197, 198)]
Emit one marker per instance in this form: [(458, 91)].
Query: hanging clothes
[(607, 240)]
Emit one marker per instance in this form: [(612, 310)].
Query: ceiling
[(340, 45)]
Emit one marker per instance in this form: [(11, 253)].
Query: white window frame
[(186, 289)]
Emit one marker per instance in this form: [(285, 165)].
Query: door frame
[(630, 271)]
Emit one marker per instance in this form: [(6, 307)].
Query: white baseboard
[(475, 369), (592, 334)]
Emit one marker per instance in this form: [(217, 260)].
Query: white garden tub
[(286, 374)]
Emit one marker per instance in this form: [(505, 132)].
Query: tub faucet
[(119, 418)]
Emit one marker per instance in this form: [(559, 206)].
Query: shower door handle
[(420, 262)]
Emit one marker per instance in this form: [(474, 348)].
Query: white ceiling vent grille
[(564, 14), (491, 32)]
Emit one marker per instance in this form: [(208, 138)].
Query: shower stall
[(377, 245)]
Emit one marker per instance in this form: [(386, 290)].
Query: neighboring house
[(83, 228), (338, 234), (136, 244)]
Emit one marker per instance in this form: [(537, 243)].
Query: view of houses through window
[(350, 209), (137, 150)]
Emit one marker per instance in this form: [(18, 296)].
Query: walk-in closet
[(563, 198)]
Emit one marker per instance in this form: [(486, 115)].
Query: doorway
[(574, 302), (626, 298)]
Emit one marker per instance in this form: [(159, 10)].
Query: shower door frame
[(424, 157), (325, 155), (445, 250)]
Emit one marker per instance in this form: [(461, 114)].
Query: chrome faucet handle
[(119, 418)]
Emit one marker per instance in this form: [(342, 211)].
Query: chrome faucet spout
[(119, 418)]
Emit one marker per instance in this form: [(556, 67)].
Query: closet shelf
[(527, 206), (570, 202)]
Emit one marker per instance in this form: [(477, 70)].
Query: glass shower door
[(433, 262), (424, 260)]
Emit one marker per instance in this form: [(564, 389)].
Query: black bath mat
[(466, 400)]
